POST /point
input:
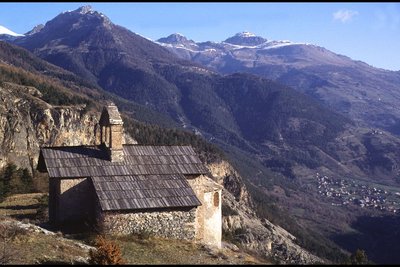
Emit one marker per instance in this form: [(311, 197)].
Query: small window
[(216, 199)]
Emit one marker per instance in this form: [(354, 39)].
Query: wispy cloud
[(344, 15), (387, 18)]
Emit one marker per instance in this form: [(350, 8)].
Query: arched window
[(216, 199)]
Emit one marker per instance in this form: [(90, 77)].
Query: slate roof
[(143, 192), (88, 161), (148, 177)]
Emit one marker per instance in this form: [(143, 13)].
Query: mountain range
[(367, 95), (281, 111)]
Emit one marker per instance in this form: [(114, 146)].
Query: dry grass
[(36, 248), (166, 251), (20, 205), (29, 245)]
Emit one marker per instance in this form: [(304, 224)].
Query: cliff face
[(27, 123), (228, 177), (251, 232)]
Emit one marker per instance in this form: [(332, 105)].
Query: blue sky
[(369, 32)]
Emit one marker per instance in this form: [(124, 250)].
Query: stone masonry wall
[(168, 224), (213, 218), (75, 199), (209, 214)]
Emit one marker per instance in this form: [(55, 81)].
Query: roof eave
[(148, 209)]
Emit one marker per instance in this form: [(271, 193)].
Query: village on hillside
[(343, 192)]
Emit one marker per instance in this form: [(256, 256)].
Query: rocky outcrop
[(253, 233), (27, 122), (228, 177)]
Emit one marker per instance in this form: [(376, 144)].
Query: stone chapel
[(163, 190)]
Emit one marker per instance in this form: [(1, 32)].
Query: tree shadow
[(377, 236), (22, 207), (29, 216)]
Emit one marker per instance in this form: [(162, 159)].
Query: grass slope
[(28, 245)]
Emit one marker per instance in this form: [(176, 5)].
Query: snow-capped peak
[(245, 38), (4, 30), (178, 36), (88, 10), (179, 41), (245, 34), (81, 10), (85, 9)]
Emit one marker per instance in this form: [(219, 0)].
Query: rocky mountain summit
[(35, 29), (179, 40), (245, 39)]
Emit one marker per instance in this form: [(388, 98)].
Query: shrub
[(234, 236), (359, 257), (107, 252)]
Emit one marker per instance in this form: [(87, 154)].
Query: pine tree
[(359, 258)]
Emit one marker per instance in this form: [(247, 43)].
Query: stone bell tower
[(111, 132)]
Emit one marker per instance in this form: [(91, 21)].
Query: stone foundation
[(168, 224)]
